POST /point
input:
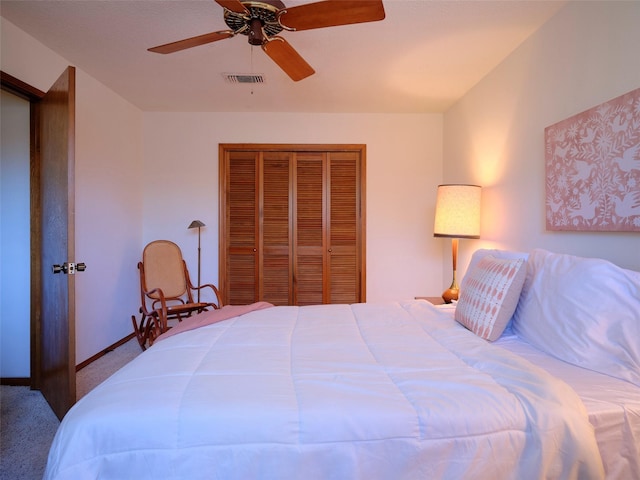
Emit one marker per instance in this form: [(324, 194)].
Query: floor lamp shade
[(457, 216), (196, 224)]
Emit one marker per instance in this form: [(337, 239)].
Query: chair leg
[(147, 330), (154, 329), (139, 331)]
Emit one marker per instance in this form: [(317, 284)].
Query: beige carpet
[(97, 372), (27, 429), (28, 424)]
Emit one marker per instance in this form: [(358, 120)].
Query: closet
[(292, 224)]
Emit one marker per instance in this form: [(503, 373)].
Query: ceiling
[(421, 58)]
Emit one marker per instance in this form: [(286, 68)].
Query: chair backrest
[(164, 268)]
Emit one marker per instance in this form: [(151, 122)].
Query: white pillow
[(585, 311), (489, 294)]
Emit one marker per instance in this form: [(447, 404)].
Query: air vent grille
[(243, 78)]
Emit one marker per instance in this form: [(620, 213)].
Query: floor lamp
[(198, 224), (457, 216)]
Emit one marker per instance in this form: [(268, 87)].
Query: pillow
[(585, 311), (483, 252), (489, 294)]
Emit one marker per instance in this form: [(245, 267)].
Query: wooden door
[(258, 228), (57, 313), (275, 270), (328, 228), (343, 229), (239, 227), (310, 224)]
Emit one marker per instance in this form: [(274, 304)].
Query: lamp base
[(450, 294)]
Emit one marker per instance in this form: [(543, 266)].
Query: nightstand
[(434, 300)]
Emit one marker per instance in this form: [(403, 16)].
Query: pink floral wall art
[(593, 168)]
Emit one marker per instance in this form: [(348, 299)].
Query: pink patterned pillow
[(489, 294)]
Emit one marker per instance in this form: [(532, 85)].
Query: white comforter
[(389, 391)]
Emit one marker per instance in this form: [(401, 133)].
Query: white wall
[(108, 178), (14, 238), (494, 136), (404, 166), (27, 59)]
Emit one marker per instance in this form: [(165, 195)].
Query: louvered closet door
[(343, 232), (327, 268), (310, 246), (241, 285), (276, 268)]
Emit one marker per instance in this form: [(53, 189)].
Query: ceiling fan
[(263, 20)]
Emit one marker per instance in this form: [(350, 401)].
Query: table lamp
[(457, 216)]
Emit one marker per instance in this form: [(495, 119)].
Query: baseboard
[(26, 381), (15, 381), (102, 353)]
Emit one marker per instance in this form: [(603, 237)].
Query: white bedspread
[(390, 391), (613, 406)]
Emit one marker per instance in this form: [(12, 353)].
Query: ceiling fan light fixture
[(256, 36)]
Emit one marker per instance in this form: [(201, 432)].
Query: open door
[(57, 303)]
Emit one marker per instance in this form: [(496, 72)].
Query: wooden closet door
[(240, 286), (327, 219), (258, 258), (343, 262), (276, 259), (310, 228)]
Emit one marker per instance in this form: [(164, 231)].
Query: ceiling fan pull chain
[(251, 62)]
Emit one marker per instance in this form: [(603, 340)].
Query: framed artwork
[(592, 163)]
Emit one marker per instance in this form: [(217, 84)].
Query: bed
[(395, 390)]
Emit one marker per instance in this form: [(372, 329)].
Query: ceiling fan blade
[(331, 13), (192, 42), (233, 5), (281, 52)]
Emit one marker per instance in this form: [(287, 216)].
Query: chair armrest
[(215, 292)]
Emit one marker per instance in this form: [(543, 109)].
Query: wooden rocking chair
[(166, 291)]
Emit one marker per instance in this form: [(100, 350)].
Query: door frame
[(27, 92)]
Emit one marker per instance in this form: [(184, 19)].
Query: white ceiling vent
[(243, 78)]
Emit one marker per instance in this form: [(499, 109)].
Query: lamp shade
[(196, 224), (457, 211)]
